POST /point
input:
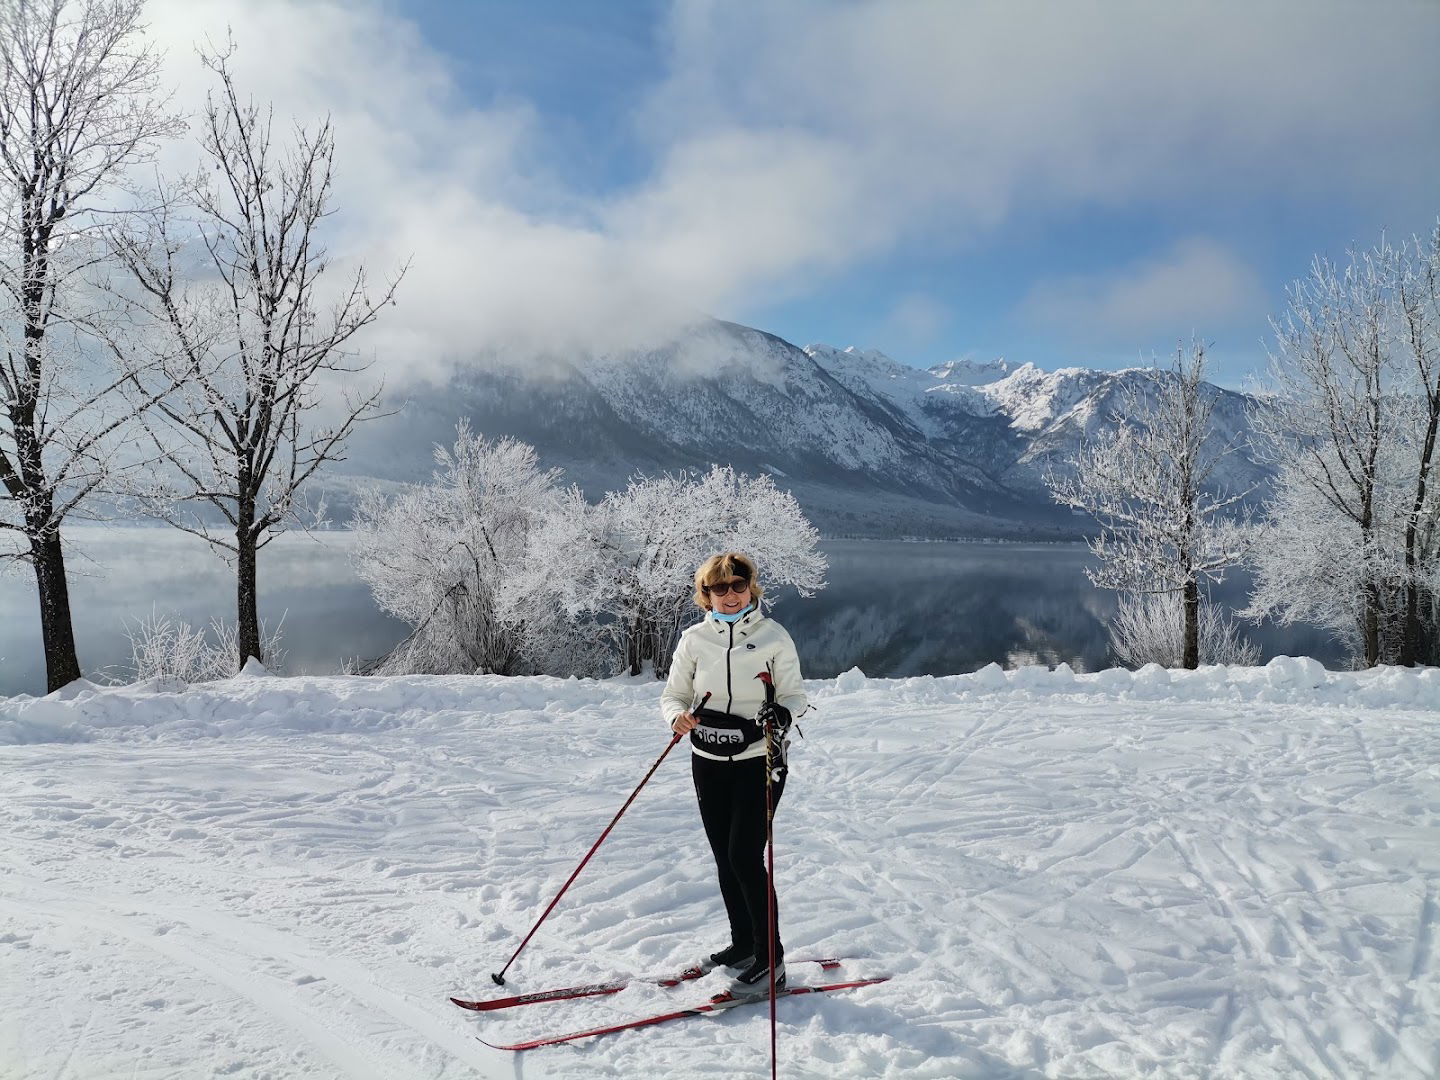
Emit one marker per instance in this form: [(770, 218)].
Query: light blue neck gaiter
[(733, 618)]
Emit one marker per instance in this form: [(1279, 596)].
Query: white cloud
[(968, 109), (421, 176), (800, 138), (918, 318), (1195, 286)]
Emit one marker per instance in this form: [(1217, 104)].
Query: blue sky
[(584, 65), (1063, 183)]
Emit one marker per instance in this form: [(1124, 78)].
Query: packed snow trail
[(1228, 872)]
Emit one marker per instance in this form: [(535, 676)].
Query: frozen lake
[(893, 609)]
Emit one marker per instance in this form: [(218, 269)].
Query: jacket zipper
[(729, 692)]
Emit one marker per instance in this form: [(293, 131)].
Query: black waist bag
[(723, 733)]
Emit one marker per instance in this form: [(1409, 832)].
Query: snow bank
[(1284, 680), (256, 703)]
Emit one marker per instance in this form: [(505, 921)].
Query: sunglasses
[(720, 588)]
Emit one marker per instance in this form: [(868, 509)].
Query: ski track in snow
[(1231, 872)]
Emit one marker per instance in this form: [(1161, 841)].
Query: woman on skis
[(728, 656)]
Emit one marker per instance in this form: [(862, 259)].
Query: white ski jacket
[(724, 659)]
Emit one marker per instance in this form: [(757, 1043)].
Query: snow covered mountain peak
[(872, 364), (1034, 399), (867, 362), (973, 373), (873, 355)]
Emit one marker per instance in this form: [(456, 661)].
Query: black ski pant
[(732, 806)]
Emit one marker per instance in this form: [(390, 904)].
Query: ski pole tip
[(499, 979)]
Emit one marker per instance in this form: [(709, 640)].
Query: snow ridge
[(253, 702)]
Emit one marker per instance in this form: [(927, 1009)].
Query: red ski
[(716, 1004), (570, 993)]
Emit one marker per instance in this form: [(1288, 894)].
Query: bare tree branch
[(244, 433), (79, 107)]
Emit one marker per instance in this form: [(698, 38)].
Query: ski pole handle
[(694, 719), (767, 729), (769, 681)]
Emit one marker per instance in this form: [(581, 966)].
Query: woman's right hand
[(683, 723)]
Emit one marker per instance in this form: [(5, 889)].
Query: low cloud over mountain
[(868, 445)]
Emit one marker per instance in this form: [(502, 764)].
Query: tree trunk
[(247, 609), (1192, 626), (61, 663), (58, 634), (1370, 618), (640, 644), (1428, 642), (1410, 640), (1370, 624), (1410, 651)]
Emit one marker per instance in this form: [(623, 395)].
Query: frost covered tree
[(629, 562), (78, 109), (1344, 422), (497, 568), (447, 558), (1164, 525), (1417, 298), (1311, 564), (257, 342)]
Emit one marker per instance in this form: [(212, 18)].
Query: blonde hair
[(724, 567)]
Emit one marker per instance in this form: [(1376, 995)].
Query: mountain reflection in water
[(895, 609)]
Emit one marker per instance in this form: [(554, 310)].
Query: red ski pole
[(770, 853), (499, 976)]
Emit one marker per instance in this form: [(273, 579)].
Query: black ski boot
[(733, 956), (755, 979)]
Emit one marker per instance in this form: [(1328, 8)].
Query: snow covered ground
[(1232, 872)]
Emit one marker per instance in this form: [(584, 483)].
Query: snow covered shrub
[(166, 645), (446, 557), (627, 565), (1149, 628), (1221, 641)]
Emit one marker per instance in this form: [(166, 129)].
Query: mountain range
[(869, 446)]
